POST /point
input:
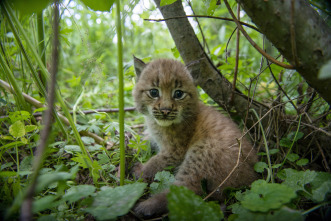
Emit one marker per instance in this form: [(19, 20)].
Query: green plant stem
[(41, 42), (314, 208), (295, 136), (121, 91), (11, 77), (266, 147), (45, 74), (13, 21)]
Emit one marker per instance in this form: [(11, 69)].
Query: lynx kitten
[(196, 139)]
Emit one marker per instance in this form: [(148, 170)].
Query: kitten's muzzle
[(165, 111)]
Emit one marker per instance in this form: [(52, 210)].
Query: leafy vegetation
[(80, 174)]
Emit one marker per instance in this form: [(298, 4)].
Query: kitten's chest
[(172, 139)]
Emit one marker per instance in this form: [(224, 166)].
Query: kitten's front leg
[(156, 164)]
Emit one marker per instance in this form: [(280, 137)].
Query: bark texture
[(312, 36), (203, 71)]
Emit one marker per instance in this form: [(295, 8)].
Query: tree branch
[(312, 36)]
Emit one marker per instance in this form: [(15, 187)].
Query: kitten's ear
[(139, 65)]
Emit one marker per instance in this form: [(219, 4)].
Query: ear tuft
[(139, 65)]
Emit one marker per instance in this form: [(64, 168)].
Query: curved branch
[(270, 58), (204, 16)]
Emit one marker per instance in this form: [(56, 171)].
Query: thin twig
[(204, 16), (199, 26), (26, 209), (280, 88), (270, 58), (229, 175), (323, 156)]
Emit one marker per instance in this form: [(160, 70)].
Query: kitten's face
[(165, 92)]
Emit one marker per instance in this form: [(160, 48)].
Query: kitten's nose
[(165, 111)]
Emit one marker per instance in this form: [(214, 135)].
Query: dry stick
[(199, 26), (323, 156), (280, 87), (227, 44), (96, 111), (231, 172), (37, 104), (237, 59), (269, 57), (26, 209), (313, 127)]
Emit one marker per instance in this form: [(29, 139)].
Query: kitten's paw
[(151, 207), (137, 170)]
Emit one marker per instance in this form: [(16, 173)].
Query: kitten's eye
[(154, 93), (178, 94)]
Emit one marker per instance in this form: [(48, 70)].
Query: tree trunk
[(312, 36)]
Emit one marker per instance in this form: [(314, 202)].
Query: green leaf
[(76, 193), (166, 2), (110, 203), (43, 203), (30, 6), (17, 129), (184, 205), (285, 213), (165, 179), (82, 160), (88, 140), (302, 162), (292, 157), (260, 166), (30, 128), (212, 7), (100, 5), (319, 193), (285, 142), (19, 116), (292, 136), (50, 178), (276, 165), (273, 151), (265, 196), (325, 71), (321, 186), (298, 179)]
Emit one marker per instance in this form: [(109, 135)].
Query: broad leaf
[(298, 179), (265, 196), (165, 179), (285, 213), (110, 203), (30, 6), (166, 2), (76, 193), (43, 203), (49, 178), (17, 129), (184, 205), (260, 166), (100, 5)]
